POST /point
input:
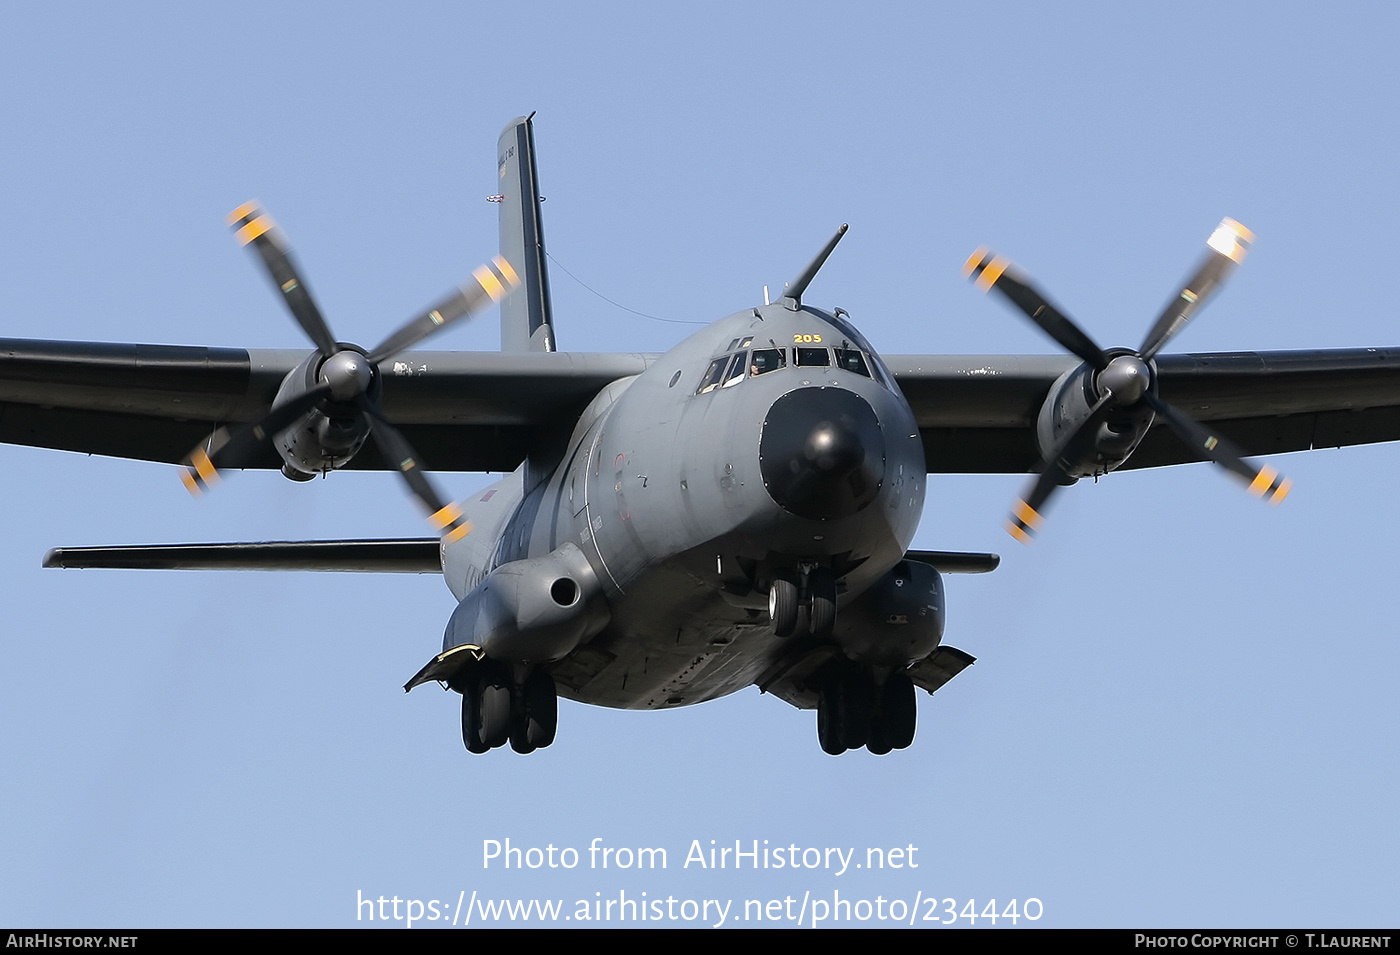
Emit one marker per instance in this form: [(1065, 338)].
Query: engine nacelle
[(531, 611), (1069, 402), (899, 619), (331, 434)]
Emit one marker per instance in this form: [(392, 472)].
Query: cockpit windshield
[(852, 360), (733, 366), (766, 360)]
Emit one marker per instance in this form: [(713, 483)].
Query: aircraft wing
[(976, 413), (462, 411), (478, 411)]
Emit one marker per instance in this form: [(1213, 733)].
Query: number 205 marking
[(806, 339)]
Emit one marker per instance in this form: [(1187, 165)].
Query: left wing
[(977, 413)]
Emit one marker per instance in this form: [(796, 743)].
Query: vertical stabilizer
[(525, 316)]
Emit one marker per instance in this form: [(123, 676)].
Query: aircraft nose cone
[(822, 454), (833, 448)]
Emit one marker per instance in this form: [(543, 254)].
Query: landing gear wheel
[(536, 717), (493, 708), (855, 705), (471, 720), (879, 742), (899, 711), (828, 724), (782, 603), (821, 584), (520, 742)]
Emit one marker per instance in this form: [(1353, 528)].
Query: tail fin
[(525, 316)]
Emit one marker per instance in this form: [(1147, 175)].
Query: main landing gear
[(852, 711), (497, 709), (786, 598)]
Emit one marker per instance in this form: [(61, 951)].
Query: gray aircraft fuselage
[(668, 487)]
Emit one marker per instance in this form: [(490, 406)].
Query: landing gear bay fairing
[(673, 528)]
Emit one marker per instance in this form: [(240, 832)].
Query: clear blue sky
[(1183, 709)]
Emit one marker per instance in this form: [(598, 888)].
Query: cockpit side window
[(713, 375), (882, 374), (735, 374)]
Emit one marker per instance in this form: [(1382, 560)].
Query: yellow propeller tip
[(974, 260), (1018, 532), (244, 211)]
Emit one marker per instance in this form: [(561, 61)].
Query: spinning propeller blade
[(989, 272), (1262, 480), (491, 283), (252, 225), (1227, 247), (233, 450), (1026, 516), (399, 454)]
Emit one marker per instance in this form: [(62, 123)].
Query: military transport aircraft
[(673, 528)]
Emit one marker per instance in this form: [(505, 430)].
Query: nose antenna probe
[(792, 295)]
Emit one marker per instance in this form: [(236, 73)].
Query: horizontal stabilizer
[(417, 556), (955, 562)]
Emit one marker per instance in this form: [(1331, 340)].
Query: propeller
[(346, 372), (1124, 380)]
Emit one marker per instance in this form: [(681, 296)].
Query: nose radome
[(822, 454)]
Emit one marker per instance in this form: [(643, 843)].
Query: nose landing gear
[(818, 594)]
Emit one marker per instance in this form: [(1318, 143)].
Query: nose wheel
[(785, 599), (821, 601), (782, 603)]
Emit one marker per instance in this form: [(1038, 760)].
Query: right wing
[(462, 411)]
